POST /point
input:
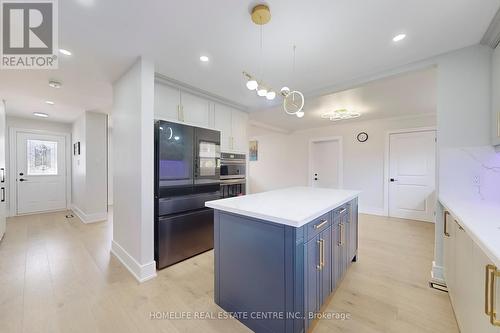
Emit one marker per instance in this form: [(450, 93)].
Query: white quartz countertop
[(293, 206), (481, 221)]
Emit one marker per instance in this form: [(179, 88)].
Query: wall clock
[(362, 137)]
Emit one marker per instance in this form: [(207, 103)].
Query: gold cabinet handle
[(445, 229), (322, 253), (487, 304), (321, 224), (319, 266), (498, 124), (493, 312), (341, 227)]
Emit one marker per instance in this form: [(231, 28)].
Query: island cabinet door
[(312, 278), (352, 220), (326, 265), (335, 256), (341, 246)]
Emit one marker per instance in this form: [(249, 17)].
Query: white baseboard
[(372, 211), (437, 274), (141, 273), (89, 218)]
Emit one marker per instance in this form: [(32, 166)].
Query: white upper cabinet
[(181, 106), (167, 101), (222, 122), (239, 123), (233, 126), (194, 110), (495, 113)]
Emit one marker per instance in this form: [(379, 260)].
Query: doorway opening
[(326, 163)]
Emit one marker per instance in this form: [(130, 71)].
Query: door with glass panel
[(41, 172)]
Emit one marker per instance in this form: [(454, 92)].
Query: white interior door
[(325, 164), (41, 172), (412, 173)]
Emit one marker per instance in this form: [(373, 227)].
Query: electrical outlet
[(476, 180)]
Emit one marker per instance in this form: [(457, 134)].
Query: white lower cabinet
[(465, 273)]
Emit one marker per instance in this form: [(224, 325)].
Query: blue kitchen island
[(279, 255)]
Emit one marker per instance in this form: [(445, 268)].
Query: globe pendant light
[(252, 84)]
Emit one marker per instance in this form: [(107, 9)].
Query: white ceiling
[(409, 94), (337, 40)]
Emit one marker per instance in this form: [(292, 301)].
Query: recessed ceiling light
[(55, 84), (50, 102), (65, 52), (40, 114), (399, 37), (204, 58)]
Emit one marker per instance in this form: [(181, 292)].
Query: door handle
[(2, 175), (3, 194), (445, 229), (393, 180), (22, 179)]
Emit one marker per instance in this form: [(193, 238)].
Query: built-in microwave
[(233, 166)]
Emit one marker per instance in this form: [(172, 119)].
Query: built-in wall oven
[(187, 174), (232, 175)]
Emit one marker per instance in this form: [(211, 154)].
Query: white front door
[(412, 175), (41, 172), (325, 164)]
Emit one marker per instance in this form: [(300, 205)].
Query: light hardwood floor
[(57, 275)]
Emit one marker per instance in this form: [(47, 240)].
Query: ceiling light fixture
[(261, 91), (399, 38), (50, 102), (260, 16), (293, 101), (40, 114), (271, 95), (65, 52), (55, 84), (341, 114), (204, 58)]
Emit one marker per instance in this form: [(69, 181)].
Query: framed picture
[(254, 150)]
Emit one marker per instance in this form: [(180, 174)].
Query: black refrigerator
[(187, 174)]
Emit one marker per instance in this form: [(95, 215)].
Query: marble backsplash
[(472, 173)]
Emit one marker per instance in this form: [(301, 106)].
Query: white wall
[(33, 124), (133, 171), (464, 130), (90, 167), (110, 165), (284, 158)]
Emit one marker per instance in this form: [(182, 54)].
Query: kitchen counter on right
[(480, 219)]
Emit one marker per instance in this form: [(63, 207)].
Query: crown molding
[(198, 92), (492, 36)]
